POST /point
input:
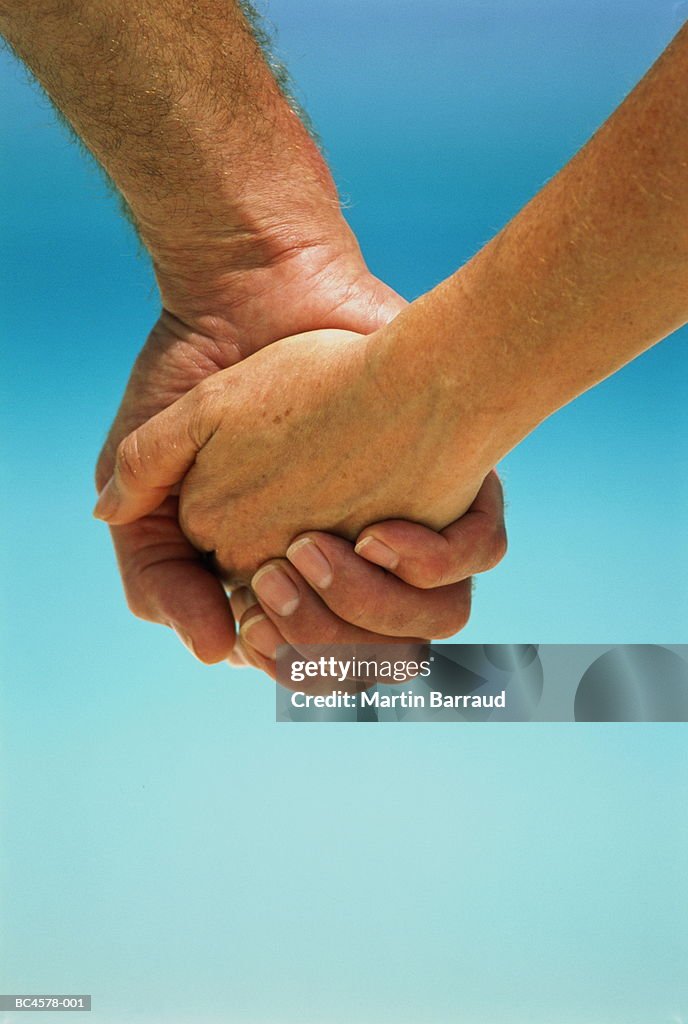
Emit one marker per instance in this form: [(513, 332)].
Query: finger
[(156, 456), (367, 596), (166, 581), (474, 543), (260, 638), (312, 624), (239, 657), (264, 638), (241, 600), (301, 617)]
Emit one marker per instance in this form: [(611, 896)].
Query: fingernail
[(258, 632), (241, 600), (375, 551), (186, 640), (108, 501), (276, 590), (307, 557)]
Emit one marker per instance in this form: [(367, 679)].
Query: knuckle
[(431, 573), (205, 396), (128, 459), (358, 609), (196, 523)]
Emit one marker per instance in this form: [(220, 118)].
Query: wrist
[(217, 231), (439, 423), (319, 280), (479, 348), (429, 361), (218, 280)]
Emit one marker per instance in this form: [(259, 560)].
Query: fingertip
[(259, 634), (108, 502), (207, 648), (196, 607), (308, 558), (186, 640), (414, 553), (376, 551), (240, 601)]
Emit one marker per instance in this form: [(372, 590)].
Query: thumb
[(151, 460)]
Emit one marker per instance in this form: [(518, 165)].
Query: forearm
[(178, 104), (592, 272)]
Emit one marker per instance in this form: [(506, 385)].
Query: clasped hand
[(295, 451)]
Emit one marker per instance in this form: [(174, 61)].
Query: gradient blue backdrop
[(167, 846)]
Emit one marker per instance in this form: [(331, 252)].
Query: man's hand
[(434, 599)]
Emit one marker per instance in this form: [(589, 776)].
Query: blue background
[(170, 848)]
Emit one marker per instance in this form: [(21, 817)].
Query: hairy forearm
[(177, 102), (592, 272)]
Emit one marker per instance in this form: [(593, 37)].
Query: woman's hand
[(311, 433)]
